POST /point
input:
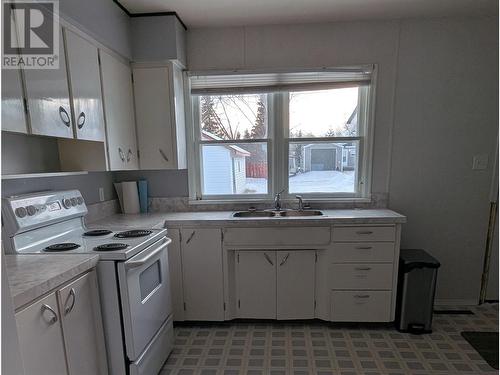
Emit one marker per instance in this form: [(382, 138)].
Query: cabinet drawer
[(360, 306), (361, 276), (362, 252), (277, 236), (362, 234)]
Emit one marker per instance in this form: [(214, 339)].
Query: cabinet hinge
[(315, 257), (224, 306), (138, 154), (184, 306), (180, 237), (314, 304), (238, 257), (239, 304), (132, 75), (222, 235)]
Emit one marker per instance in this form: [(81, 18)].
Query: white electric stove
[(132, 272)]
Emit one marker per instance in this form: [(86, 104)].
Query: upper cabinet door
[(118, 102), (83, 69), (155, 135), (48, 99), (13, 115)]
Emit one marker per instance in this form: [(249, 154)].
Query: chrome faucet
[(277, 200), (301, 202)]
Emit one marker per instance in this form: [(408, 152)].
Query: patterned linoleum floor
[(322, 348)]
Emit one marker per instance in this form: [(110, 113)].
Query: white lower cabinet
[(82, 326), (62, 333), (360, 306), (40, 338), (201, 252), (256, 284), (295, 283), (275, 284)]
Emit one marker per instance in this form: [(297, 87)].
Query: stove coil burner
[(111, 247), (62, 247), (97, 232), (134, 233)]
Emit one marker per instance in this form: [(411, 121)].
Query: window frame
[(278, 150)]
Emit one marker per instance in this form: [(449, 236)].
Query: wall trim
[(151, 14)]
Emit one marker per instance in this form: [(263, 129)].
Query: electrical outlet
[(480, 162), (101, 194)]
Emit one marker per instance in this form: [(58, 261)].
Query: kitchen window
[(257, 134)]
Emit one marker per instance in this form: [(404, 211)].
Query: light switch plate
[(480, 162)]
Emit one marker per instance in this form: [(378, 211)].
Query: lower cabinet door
[(82, 326), (40, 338), (295, 282), (203, 284), (256, 284)]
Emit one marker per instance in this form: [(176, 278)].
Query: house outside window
[(306, 133)]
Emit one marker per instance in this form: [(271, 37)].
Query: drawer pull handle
[(364, 232), (269, 259), (53, 319), (284, 259), (363, 268), (364, 248), (72, 295), (190, 237), (163, 155), (362, 296)]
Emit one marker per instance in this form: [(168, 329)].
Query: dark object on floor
[(453, 312), (486, 344), (416, 288)]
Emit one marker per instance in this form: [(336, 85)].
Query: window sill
[(232, 202)]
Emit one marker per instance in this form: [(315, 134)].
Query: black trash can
[(416, 289)]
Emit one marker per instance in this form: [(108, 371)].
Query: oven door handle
[(142, 261)]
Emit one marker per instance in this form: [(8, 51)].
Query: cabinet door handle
[(122, 155), (63, 114), (72, 295), (190, 237), (81, 120), (364, 232), (364, 247), (129, 154), (46, 307), (285, 259), (163, 155), (362, 296), (269, 259), (363, 268)]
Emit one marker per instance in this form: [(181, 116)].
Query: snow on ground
[(314, 181)]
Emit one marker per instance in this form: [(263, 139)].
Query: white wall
[(436, 106)]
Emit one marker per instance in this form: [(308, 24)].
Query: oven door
[(145, 296)]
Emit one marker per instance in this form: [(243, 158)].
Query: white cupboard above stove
[(13, 112), (83, 72), (159, 104)]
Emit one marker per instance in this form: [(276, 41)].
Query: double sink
[(278, 213)]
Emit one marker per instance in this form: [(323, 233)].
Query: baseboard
[(456, 302)]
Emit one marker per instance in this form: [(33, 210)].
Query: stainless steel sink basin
[(254, 214), (301, 213), (284, 213)]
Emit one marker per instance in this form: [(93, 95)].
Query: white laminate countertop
[(32, 276), (225, 218)]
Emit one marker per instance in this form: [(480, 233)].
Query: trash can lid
[(417, 258)]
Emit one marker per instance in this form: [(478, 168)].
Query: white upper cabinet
[(159, 101), (83, 70), (118, 102), (47, 92), (13, 115)]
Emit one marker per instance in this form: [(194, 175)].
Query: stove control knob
[(79, 200), (66, 203), (73, 202), (21, 212), (32, 210)]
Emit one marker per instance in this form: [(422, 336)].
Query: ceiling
[(223, 13)]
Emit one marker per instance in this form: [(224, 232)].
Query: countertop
[(225, 218), (31, 276)]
